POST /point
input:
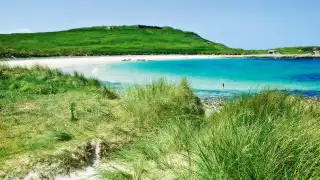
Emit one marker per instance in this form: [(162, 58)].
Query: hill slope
[(118, 40), (112, 40)]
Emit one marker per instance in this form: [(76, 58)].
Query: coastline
[(61, 62)]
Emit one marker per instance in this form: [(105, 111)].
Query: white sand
[(61, 62)]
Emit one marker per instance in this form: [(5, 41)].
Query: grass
[(44, 81), (119, 40), (158, 102), (162, 129), (114, 40), (299, 50), (116, 176), (35, 112), (271, 135), (63, 136)]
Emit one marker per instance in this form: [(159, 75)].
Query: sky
[(248, 24)]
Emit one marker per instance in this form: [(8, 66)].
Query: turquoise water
[(207, 76)]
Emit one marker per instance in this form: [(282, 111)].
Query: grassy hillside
[(109, 41), (157, 131), (118, 40), (299, 50)]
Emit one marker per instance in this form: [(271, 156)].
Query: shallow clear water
[(207, 76)]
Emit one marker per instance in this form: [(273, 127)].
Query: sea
[(215, 77)]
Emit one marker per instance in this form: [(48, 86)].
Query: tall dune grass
[(271, 135), (42, 80), (167, 115), (161, 101)]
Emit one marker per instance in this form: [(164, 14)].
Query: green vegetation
[(115, 40), (38, 80), (119, 40), (35, 112), (116, 176), (160, 130), (271, 135), (299, 50)]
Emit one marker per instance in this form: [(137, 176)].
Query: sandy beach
[(61, 62)]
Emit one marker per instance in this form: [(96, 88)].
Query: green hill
[(109, 40), (120, 40)]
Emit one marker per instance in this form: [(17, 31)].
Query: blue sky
[(250, 24)]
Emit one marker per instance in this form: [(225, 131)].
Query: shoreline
[(61, 62)]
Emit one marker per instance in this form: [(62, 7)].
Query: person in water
[(223, 85)]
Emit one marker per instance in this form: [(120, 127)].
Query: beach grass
[(45, 111), (271, 135), (161, 128), (157, 102), (35, 112)]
